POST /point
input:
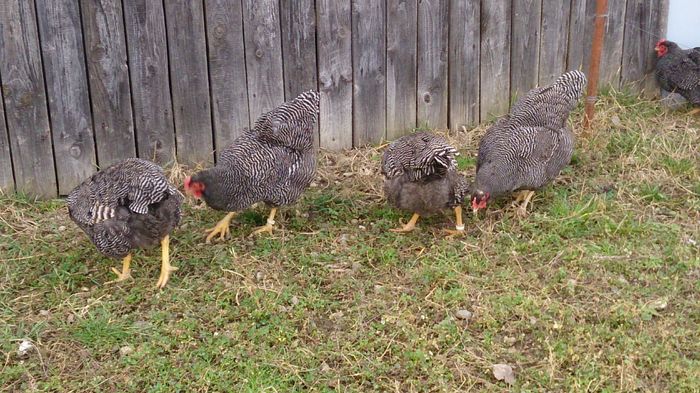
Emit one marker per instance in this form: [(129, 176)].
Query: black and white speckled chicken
[(272, 163), (420, 176), (527, 148), (126, 206), (678, 70)]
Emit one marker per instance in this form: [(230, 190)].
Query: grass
[(597, 290)]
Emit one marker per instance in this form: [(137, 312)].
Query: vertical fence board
[(110, 90), (148, 63), (495, 58), (659, 23), (555, 26), (187, 53), (298, 19), (67, 91), (368, 64), (7, 181), (525, 45), (401, 46), (335, 73), (579, 22), (25, 99), (433, 30), (227, 73), (638, 57), (263, 54), (611, 59), (464, 63)]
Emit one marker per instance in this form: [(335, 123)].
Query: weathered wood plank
[(611, 59), (227, 72), (465, 36), (25, 99), (110, 90), (555, 28), (495, 58), (189, 81), (433, 30), (641, 32), (525, 46), (335, 73), (148, 65), (369, 76), (659, 24), (7, 180), (263, 54), (67, 90), (298, 20), (401, 41), (579, 22)]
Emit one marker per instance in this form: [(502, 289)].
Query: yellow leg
[(125, 273), (267, 227), (411, 225), (221, 229), (165, 268), (522, 209), (519, 197), (694, 111), (459, 226)]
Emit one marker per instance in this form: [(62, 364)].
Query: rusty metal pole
[(601, 15)]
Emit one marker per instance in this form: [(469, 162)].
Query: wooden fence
[(88, 82)]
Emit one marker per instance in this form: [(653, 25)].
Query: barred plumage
[(678, 70), (421, 174), (527, 148), (128, 205), (272, 163)]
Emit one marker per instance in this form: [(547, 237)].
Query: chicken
[(126, 206), (420, 173), (272, 163), (527, 148), (678, 70)]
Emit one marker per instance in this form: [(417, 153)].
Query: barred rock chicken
[(126, 206), (527, 148), (272, 163), (420, 173), (678, 70)]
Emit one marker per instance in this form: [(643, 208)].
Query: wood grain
[(433, 19), (335, 73), (495, 58), (148, 65), (7, 179), (187, 53), (110, 89), (369, 71), (298, 20), (401, 41), (555, 25), (580, 19), (227, 73), (263, 54), (67, 90), (464, 54), (25, 99), (525, 46)]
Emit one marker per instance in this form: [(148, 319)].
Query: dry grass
[(597, 290)]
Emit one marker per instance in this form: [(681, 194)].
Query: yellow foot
[(410, 225), (125, 274), (522, 209), (165, 268), (454, 232), (694, 111), (265, 228), (165, 275), (221, 229)]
